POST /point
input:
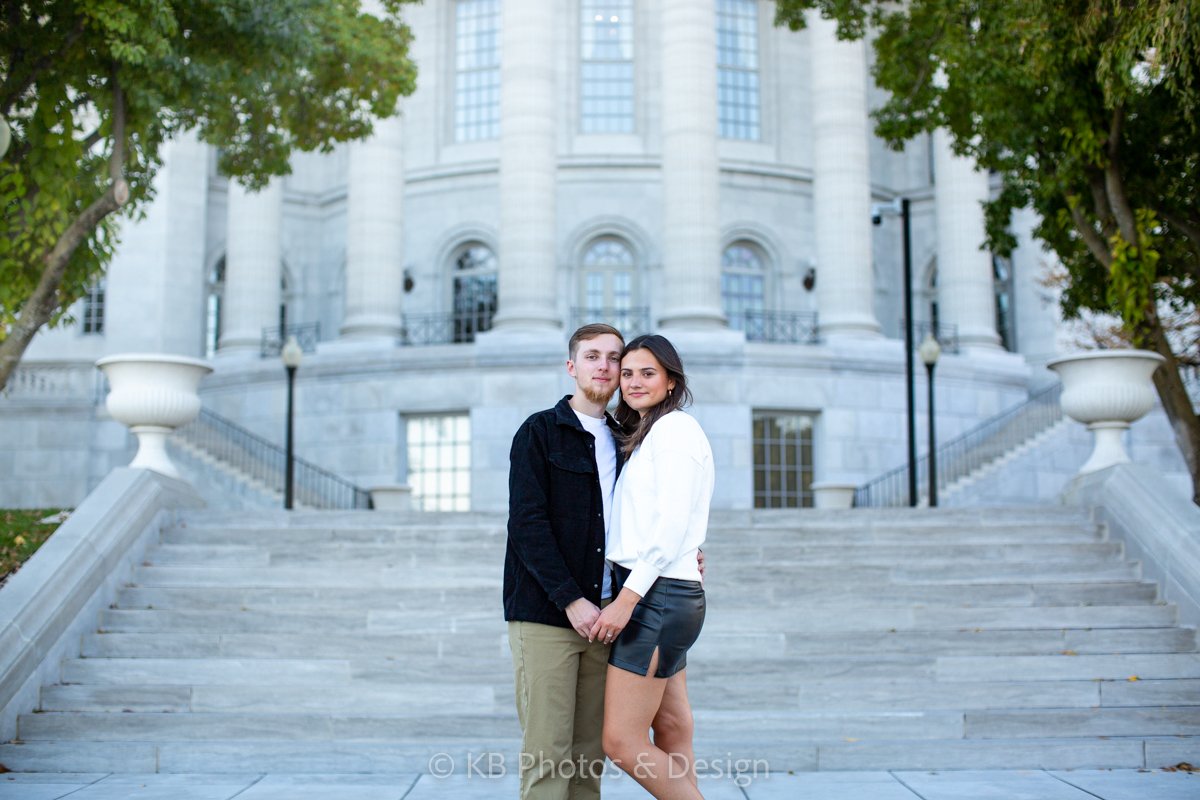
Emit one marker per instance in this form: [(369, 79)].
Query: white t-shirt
[(606, 465)]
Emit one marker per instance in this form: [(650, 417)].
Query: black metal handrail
[(273, 339), (972, 450), (630, 322), (266, 462), (785, 327)]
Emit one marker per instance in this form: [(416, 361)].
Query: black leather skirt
[(668, 618)]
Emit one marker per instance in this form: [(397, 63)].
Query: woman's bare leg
[(674, 727), (631, 702)]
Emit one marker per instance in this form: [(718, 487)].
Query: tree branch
[(1191, 232), (1094, 241), (1114, 184), (41, 65)]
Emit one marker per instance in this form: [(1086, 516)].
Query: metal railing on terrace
[(307, 336), (783, 327), (453, 327), (969, 452), (630, 322), (266, 462), (945, 333)]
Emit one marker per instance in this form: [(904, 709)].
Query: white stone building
[(677, 166)]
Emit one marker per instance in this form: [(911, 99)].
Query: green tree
[(1087, 109), (92, 89)]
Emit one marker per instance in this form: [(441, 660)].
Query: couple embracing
[(602, 576)]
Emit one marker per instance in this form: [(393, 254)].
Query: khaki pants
[(560, 702)]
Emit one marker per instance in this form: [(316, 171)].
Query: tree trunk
[(1176, 403), (42, 304)]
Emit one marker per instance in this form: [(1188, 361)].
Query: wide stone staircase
[(891, 639)]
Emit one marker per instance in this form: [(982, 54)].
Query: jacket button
[(599, 550), (595, 586)]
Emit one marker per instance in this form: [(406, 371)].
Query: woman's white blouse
[(660, 505)]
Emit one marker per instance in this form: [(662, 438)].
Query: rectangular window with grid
[(439, 461), (93, 308), (783, 459), (737, 69), (606, 66), (477, 70)]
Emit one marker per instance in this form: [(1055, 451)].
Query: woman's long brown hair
[(636, 427)]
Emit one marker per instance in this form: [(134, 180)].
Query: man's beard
[(600, 398)]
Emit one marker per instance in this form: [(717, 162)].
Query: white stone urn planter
[(153, 394), (391, 498), (833, 494), (1107, 390)]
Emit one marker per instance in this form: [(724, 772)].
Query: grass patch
[(21, 534)]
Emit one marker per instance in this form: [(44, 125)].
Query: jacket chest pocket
[(572, 479)]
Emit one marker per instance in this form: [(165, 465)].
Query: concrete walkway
[(1007, 785)]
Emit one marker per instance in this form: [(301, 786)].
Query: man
[(564, 464)]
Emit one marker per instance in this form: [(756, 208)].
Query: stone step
[(1033, 753), (956, 574), (822, 619), (469, 577), (331, 727), (833, 535), (477, 576), (929, 694), (721, 595), (1144, 666), (1056, 723), (991, 642), (775, 692), (351, 757), (721, 552), (265, 553), (430, 699), (714, 646), (346, 598)]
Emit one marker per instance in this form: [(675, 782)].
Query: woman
[(660, 517)]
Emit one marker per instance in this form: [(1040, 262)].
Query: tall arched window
[(744, 288), (606, 66), (475, 291), (737, 69), (214, 294), (608, 273), (476, 70)]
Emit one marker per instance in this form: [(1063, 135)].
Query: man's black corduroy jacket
[(555, 518)]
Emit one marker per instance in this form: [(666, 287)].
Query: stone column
[(253, 265), (841, 184), (966, 294), (375, 235), (528, 166), (690, 172)]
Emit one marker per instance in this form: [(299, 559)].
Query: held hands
[(582, 614), (614, 618)]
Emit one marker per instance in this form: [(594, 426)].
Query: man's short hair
[(590, 331)]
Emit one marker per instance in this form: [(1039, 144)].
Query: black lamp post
[(930, 352), (291, 355), (900, 206)]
